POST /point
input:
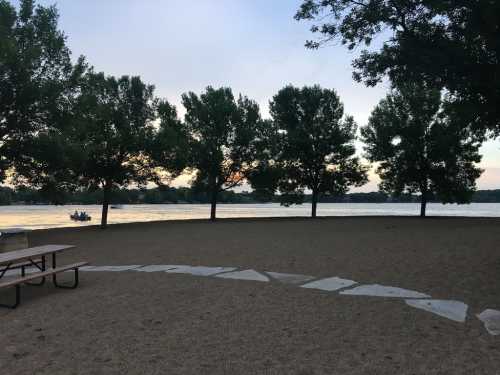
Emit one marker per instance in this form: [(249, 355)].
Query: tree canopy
[(113, 124), (168, 150), (36, 80), (223, 132), (450, 44), (315, 146), (420, 149)]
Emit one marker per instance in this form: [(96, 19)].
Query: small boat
[(116, 206), (80, 217)]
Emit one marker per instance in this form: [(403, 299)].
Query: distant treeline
[(25, 195)]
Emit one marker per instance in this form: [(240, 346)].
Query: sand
[(159, 323)]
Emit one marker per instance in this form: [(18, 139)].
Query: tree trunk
[(105, 205), (423, 203), (314, 203), (213, 204)]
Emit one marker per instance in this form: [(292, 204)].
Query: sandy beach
[(159, 323)]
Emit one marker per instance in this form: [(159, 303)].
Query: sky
[(253, 46)]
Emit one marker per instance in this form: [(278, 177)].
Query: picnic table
[(35, 257)]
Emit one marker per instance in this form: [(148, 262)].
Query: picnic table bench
[(36, 257)]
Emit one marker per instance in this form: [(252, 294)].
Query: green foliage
[(266, 174), (486, 196), (50, 162), (36, 77), (6, 196), (169, 148), (446, 43), (113, 124), (113, 121), (314, 146), (265, 180), (222, 133), (419, 148)]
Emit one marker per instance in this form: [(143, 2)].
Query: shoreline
[(44, 217), (270, 218)]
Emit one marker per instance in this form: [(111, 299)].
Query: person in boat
[(76, 214), (83, 215)]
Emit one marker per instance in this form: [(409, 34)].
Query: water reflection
[(41, 216)]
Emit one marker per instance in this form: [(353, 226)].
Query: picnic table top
[(32, 252)]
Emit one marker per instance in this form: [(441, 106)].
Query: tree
[(266, 175), (315, 145), (50, 161), (113, 123), (222, 132), (451, 44), (169, 149), (420, 149), (36, 77)]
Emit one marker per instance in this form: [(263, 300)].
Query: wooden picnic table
[(16, 256), (36, 257)]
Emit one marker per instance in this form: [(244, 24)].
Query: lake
[(45, 216)]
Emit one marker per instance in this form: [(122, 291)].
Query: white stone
[(210, 271), (376, 290), (244, 275), (156, 268), (330, 284), (454, 310), (200, 270), (113, 268), (180, 269), (290, 278), (491, 320), (86, 268)]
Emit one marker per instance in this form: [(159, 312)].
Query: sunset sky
[(253, 46)]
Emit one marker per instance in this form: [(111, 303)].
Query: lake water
[(37, 217)]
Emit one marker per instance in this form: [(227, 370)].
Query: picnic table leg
[(17, 287), (18, 299), (42, 268), (54, 276), (5, 269)]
